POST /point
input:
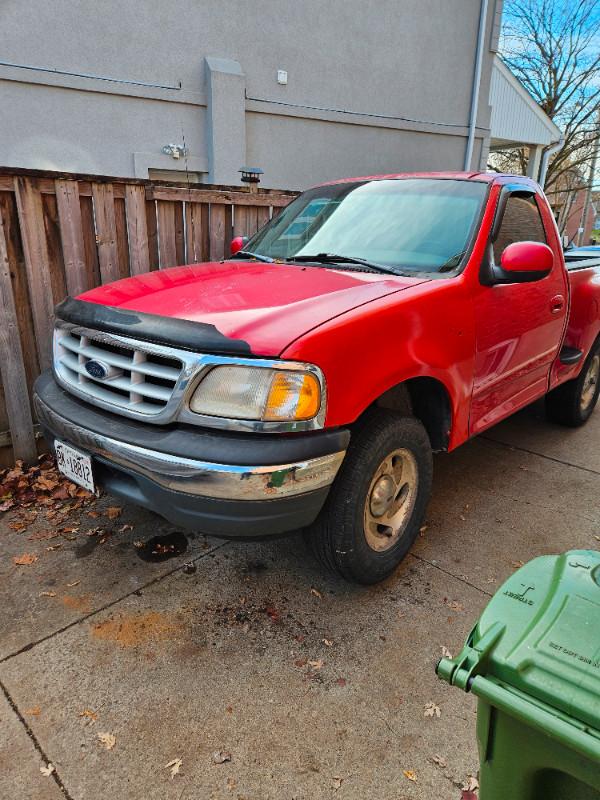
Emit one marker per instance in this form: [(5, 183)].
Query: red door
[(518, 327)]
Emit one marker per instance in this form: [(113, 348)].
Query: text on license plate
[(75, 465)]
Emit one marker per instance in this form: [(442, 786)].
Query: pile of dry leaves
[(40, 485)]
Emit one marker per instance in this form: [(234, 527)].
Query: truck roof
[(491, 177)]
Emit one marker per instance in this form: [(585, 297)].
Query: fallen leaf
[(174, 766), (455, 606), (445, 652), (316, 664), (467, 795), (337, 782), (93, 514), (231, 785), (411, 775), (54, 547), (47, 771), (302, 662), (25, 560), (229, 710), (49, 594), (69, 585), (125, 528), (517, 564), (431, 710), (341, 682), (439, 761), (33, 711), (108, 739), (138, 544), (400, 614), (462, 516), (113, 513), (315, 592), (328, 642), (220, 756), (470, 784)]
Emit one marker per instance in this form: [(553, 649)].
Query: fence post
[(12, 368)]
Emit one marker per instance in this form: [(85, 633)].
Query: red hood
[(266, 305)]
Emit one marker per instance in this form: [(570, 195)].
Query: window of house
[(521, 223)]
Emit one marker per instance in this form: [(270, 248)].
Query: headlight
[(257, 393)]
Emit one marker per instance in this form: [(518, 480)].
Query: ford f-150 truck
[(305, 382)]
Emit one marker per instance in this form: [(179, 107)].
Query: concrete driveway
[(253, 675)]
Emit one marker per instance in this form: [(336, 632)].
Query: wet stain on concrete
[(134, 630), (161, 548), (88, 548)]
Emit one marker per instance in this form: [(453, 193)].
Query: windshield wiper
[(452, 262), (333, 258), (248, 254)]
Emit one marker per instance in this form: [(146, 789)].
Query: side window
[(521, 223)]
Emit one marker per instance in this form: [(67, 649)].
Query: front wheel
[(572, 403), (378, 501)]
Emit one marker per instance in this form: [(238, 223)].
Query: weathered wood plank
[(89, 242), (166, 234), (179, 234), (137, 226), (122, 243), (35, 250), (263, 216), (55, 253), (152, 225), (12, 368), (173, 193), (71, 233), (106, 228), (217, 231), (252, 221), (197, 232), (20, 288), (240, 221)]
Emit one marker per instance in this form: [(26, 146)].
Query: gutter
[(546, 157)]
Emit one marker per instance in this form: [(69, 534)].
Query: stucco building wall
[(380, 86)]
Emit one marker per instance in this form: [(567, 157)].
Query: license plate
[(75, 465)]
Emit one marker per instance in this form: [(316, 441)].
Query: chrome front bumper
[(179, 474)]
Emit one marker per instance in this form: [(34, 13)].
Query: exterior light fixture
[(250, 174), (175, 150)]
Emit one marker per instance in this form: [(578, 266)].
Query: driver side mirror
[(521, 262), (238, 243)]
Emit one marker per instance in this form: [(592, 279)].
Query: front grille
[(136, 380)]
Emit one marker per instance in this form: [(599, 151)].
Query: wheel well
[(427, 400)]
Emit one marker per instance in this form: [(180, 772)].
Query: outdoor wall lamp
[(250, 174), (175, 150)]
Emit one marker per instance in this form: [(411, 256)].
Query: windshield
[(411, 224)]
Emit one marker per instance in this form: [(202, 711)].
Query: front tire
[(572, 403), (378, 501)]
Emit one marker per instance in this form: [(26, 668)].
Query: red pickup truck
[(305, 382)]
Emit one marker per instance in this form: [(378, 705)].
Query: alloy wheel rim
[(390, 500), (590, 383)]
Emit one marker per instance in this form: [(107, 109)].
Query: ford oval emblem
[(97, 369)]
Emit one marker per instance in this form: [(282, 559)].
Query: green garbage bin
[(533, 661)]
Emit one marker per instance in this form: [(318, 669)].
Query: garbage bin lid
[(550, 646)]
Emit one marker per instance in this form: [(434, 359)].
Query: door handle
[(557, 304)]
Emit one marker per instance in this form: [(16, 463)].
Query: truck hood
[(267, 306)]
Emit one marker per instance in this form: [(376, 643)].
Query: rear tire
[(378, 500), (572, 403)]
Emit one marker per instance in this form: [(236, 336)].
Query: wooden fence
[(63, 234)]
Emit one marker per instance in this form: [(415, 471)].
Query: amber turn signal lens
[(293, 396)]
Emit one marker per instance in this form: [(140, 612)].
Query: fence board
[(166, 234), (92, 265), (152, 234), (35, 249), (263, 216), (197, 232), (137, 227), (179, 234), (240, 221), (55, 255), (122, 244), (12, 368), (217, 231), (106, 231), (71, 228), (252, 221)]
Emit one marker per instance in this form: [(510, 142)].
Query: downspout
[(476, 82), (546, 157)]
